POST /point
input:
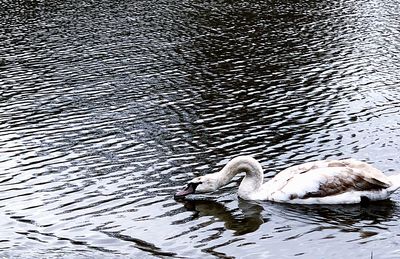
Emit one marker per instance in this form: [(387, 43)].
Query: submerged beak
[(189, 189)]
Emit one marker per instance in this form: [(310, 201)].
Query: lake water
[(108, 107)]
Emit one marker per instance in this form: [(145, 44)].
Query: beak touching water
[(189, 189)]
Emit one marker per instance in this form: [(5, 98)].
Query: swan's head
[(201, 184)]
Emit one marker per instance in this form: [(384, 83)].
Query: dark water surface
[(108, 107)]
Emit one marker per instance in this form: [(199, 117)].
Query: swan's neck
[(253, 180)]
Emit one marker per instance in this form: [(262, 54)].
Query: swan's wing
[(339, 181), (327, 178)]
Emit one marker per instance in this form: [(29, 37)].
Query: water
[(108, 107)]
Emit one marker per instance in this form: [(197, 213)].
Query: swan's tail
[(395, 179)]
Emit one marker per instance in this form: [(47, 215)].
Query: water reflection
[(249, 219), (360, 218), (378, 211)]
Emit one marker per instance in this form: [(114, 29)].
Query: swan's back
[(334, 181)]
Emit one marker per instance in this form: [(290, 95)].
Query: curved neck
[(254, 174)]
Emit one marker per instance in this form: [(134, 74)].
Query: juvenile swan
[(321, 182)]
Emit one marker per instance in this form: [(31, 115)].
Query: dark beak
[(189, 189)]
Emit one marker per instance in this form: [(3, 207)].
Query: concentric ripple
[(107, 107)]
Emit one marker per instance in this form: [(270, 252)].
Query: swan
[(320, 182)]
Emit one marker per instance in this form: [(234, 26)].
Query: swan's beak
[(189, 189)]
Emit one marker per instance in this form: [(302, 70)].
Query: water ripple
[(107, 107)]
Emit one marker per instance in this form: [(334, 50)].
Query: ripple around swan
[(107, 107)]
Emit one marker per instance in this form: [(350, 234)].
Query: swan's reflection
[(375, 212), (366, 220), (249, 220), (348, 218)]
